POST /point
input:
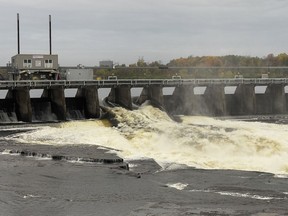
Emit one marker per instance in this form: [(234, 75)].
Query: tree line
[(231, 61), (235, 67), (270, 60)]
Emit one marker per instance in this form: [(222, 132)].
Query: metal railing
[(135, 82)]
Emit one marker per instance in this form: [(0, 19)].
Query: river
[(193, 166)]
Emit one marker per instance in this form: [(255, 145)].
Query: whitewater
[(195, 141)]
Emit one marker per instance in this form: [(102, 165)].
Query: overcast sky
[(87, 31)]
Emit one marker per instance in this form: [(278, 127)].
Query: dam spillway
[(209, 97)]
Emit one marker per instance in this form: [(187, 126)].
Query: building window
[(27, 63), (48, 63)]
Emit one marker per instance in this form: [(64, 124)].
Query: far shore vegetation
[(229, 66)]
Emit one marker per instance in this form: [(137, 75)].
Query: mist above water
[(199, 142)]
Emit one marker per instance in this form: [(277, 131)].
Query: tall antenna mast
[(18, 33), (50, 35)]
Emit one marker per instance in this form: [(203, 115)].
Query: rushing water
[(204, 166), (199, 142)]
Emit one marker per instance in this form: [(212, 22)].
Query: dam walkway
[(38, 84)]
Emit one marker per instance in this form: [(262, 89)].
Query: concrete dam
[(209, 97)]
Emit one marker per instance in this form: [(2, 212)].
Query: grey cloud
[(122, 30)]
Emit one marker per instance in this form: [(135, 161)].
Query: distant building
[(106, 63), (79, 74)]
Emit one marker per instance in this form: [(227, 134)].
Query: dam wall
[(59, 103), (215, 100), (52, 104)]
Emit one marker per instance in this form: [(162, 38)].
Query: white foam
[(30, 196), (131, 165), (171, 166), (78, 161), (201, 191), (43, 158), (236, 194), (247, 195), (281, 175), (8, 152), (199, 142), (178, 186)]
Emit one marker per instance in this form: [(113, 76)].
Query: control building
[(34, 66)]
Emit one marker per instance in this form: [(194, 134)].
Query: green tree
[(141, 62), (282, 59)]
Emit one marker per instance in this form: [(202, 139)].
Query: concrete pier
[(121, 95), (152, 93), (277, 93), (242, 102), (23, 104), (214, 97), (58, 104), (211, 102), (272, 101), (188, 103), (180, 101), (91, 106), (263, 102)]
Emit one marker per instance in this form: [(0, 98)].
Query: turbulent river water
[(231, 153), (200, 142)]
